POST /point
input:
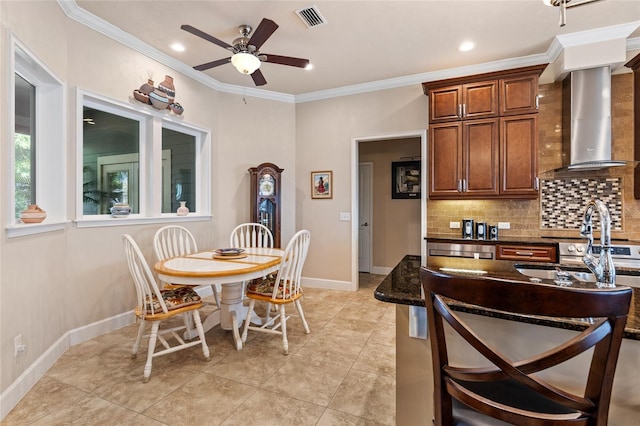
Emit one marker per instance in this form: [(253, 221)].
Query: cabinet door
[(519, 152), (444, 104), (519, 95), (481, 159), (445, 160), (480, 100)]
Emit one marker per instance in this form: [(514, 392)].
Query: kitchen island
[(414, 380)]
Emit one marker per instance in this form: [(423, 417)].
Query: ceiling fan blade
[(258, 78), (263, 32), (201, 34), (212, 64), (286, 60)]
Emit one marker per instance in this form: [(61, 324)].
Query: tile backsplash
[(562, 201)]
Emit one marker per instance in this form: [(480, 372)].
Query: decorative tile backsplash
[(562, 201)]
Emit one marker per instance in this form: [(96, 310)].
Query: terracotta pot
[(147, 87), (33, 214), (167, 87), (176, 108), (159, 100), (141, 97)]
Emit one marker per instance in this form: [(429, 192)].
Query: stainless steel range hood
[(586, 120)]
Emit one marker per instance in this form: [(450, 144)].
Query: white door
[(365, 204)]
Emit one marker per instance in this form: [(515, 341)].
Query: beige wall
[(396, 222), (324, 136)]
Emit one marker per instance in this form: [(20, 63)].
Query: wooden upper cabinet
[(519, 95), (444, 104), (480, 100), (519, 156), (483, 135), (464, 102)]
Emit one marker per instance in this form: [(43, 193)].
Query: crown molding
[(75, 12), (80, 15)]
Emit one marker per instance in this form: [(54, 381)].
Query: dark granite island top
[(402, 286)]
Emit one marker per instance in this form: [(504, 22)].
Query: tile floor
[(342, 373)]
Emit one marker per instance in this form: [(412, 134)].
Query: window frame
[(50, 150), (150, 156)]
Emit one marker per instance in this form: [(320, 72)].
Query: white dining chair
[(251, 235), (155, 305), (281, 290), (174, 240)]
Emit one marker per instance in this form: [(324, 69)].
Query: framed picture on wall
[(322, 184), (405, 179)]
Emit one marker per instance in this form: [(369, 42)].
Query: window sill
[(105, 220), (23, 229)]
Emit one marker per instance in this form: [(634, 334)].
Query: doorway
[(379, 188)]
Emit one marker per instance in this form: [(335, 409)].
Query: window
[(38, 164), (24, 140), (139, 156)]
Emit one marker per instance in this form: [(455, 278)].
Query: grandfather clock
[(265, 198)]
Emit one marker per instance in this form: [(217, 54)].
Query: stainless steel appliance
[(624, 255), (464, 250)]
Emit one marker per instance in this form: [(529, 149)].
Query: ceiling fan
[(246, 50)]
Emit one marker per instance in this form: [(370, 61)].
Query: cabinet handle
[(459, 185), (464, 185), (537, 101), (464, 110), (524, 253), (536, 184), (460, 110)]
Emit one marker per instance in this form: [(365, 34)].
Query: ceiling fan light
[(246, 63)]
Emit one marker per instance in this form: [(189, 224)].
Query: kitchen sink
[(630, 278)]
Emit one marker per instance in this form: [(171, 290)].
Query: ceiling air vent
[(311, 16)]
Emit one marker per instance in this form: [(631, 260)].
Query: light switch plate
[(345, 216), (454, 225), (504, 225)]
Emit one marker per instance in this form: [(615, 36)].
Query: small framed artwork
[(405, 179), (322, 184)]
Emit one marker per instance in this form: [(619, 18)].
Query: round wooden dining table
[(206, 268)]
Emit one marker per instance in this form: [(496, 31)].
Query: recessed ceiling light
[(466, 46), (178, 47)]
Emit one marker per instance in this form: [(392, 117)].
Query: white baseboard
[(381, 270), (327, 284), (19, 388)]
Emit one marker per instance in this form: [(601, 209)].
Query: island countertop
[(402, 286)]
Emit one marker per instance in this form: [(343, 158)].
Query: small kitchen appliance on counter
[(467, 229), (481, 231)]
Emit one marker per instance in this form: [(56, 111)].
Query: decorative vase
[(147, 87), (167, 87), (141, 97), (176, 108), (33, 214), (158, 99), (183, 210), (120, 210)]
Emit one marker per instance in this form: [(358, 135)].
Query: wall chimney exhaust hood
[(586, 120), (585, 62)]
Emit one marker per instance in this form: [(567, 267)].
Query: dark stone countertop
[(402, 286)]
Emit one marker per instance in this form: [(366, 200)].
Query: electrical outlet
[(454, 225), (504, 225), (18, 346)]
